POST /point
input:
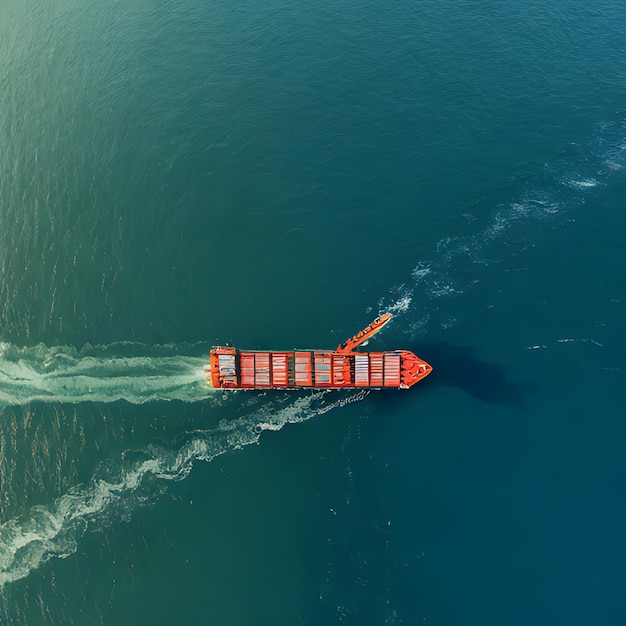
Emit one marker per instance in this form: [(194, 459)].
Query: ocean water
[(273, 174)]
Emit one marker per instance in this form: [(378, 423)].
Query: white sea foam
[(513, 226), (611, 144), (420, 272), (586, 340), (54, 530), (63, 374), (401, 305), (584, 183)]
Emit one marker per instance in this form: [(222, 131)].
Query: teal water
[(178, 174)]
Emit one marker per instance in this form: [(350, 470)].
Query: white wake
[(64, 374)]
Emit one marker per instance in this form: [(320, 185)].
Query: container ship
[(343, 368)]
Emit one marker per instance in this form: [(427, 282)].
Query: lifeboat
[(343, 368)]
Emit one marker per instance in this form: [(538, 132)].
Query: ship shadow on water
[(458, 366)]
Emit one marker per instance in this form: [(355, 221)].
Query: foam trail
[(511, 227), (54, 530), (63, 374)]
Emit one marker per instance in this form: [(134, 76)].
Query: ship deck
[(301, 369)]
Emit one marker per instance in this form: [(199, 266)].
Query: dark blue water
[(178, 174)]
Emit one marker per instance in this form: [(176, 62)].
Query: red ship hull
[(343, 368)]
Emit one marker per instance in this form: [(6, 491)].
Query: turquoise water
[(177, 174)]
